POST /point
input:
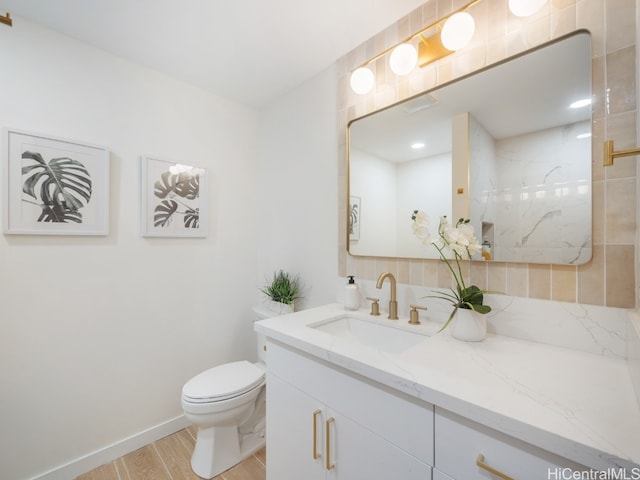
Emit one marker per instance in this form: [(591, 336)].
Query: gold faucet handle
[(375, 306), (413, 314)]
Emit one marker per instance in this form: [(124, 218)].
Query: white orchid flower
[(420, 227), (470, 241)]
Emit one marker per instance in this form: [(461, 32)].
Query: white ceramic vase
[(278, 308), (469, 325)]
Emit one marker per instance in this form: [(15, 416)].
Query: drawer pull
[(316, 455), (327, 426), (480, 463)]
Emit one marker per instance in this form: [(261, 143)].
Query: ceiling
[(249, 51)]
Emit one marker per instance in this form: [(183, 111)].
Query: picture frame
[(55, 186), (173, 199), (354, 218)]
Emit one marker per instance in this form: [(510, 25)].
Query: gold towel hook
[(6, 19), (610, 154)]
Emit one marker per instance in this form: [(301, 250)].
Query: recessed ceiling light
[(581, 103), (417, 145), (584, 135)]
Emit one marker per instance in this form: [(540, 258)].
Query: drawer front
[(400, 419), (461, 443)]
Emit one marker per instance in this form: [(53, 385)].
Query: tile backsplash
[(608, 279)]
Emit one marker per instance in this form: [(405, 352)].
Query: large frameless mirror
[(518, 134)]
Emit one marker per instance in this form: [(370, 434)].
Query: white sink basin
[(386, 338)]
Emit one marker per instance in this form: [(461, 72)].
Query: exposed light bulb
[(403, 59), (457, 31), (362, 80), (524, 8)]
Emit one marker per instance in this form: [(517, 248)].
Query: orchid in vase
[(454, 243)]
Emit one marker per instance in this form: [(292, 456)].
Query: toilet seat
[(223, 382)]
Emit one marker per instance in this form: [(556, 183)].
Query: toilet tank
[(267, 310)]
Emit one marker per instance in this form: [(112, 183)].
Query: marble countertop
[(578, 405)]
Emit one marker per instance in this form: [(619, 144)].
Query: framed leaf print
[(174, 199), (354, 218), (55, 186)]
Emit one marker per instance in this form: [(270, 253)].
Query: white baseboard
[(113, 451)]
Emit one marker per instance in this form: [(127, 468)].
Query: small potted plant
[(283, 290)]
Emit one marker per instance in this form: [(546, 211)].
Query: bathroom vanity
[(350, 396)]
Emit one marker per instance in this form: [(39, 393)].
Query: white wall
[(374, 180), (298, 188), (98, 334), (423, 184)]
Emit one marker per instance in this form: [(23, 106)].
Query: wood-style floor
[(170, 459)]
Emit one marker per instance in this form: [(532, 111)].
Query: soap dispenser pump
[(352, 295)]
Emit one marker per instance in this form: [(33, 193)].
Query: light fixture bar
[(420, 33), (6, 19), (431, 49), (452, 33)]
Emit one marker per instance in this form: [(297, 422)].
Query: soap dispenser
[(352, 295), (486, 249)]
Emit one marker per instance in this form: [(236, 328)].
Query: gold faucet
[(393, 304)]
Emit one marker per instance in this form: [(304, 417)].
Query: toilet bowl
[(228, 405)]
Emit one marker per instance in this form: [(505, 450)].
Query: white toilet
[(227, 404)]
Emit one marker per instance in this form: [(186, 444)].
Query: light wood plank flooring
[(169, 459)]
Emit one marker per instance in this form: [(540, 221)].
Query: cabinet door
[(403, 421), (290, 433), (356, 453)]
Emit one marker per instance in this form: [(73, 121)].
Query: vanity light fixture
[(457, 31), (362, 80), (434, 42), (403, 59), (524, 8)]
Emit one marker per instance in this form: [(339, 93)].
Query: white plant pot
[(469, 325), (278, 308)]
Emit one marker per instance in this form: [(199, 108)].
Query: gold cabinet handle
[(480, 463), (316, 455), (327, 428)]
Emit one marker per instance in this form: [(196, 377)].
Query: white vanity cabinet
[(323, 422), (466, 450)]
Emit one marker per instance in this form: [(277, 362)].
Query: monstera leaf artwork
[(174, 199), (175, 192), (55, 186), (61, 187)]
